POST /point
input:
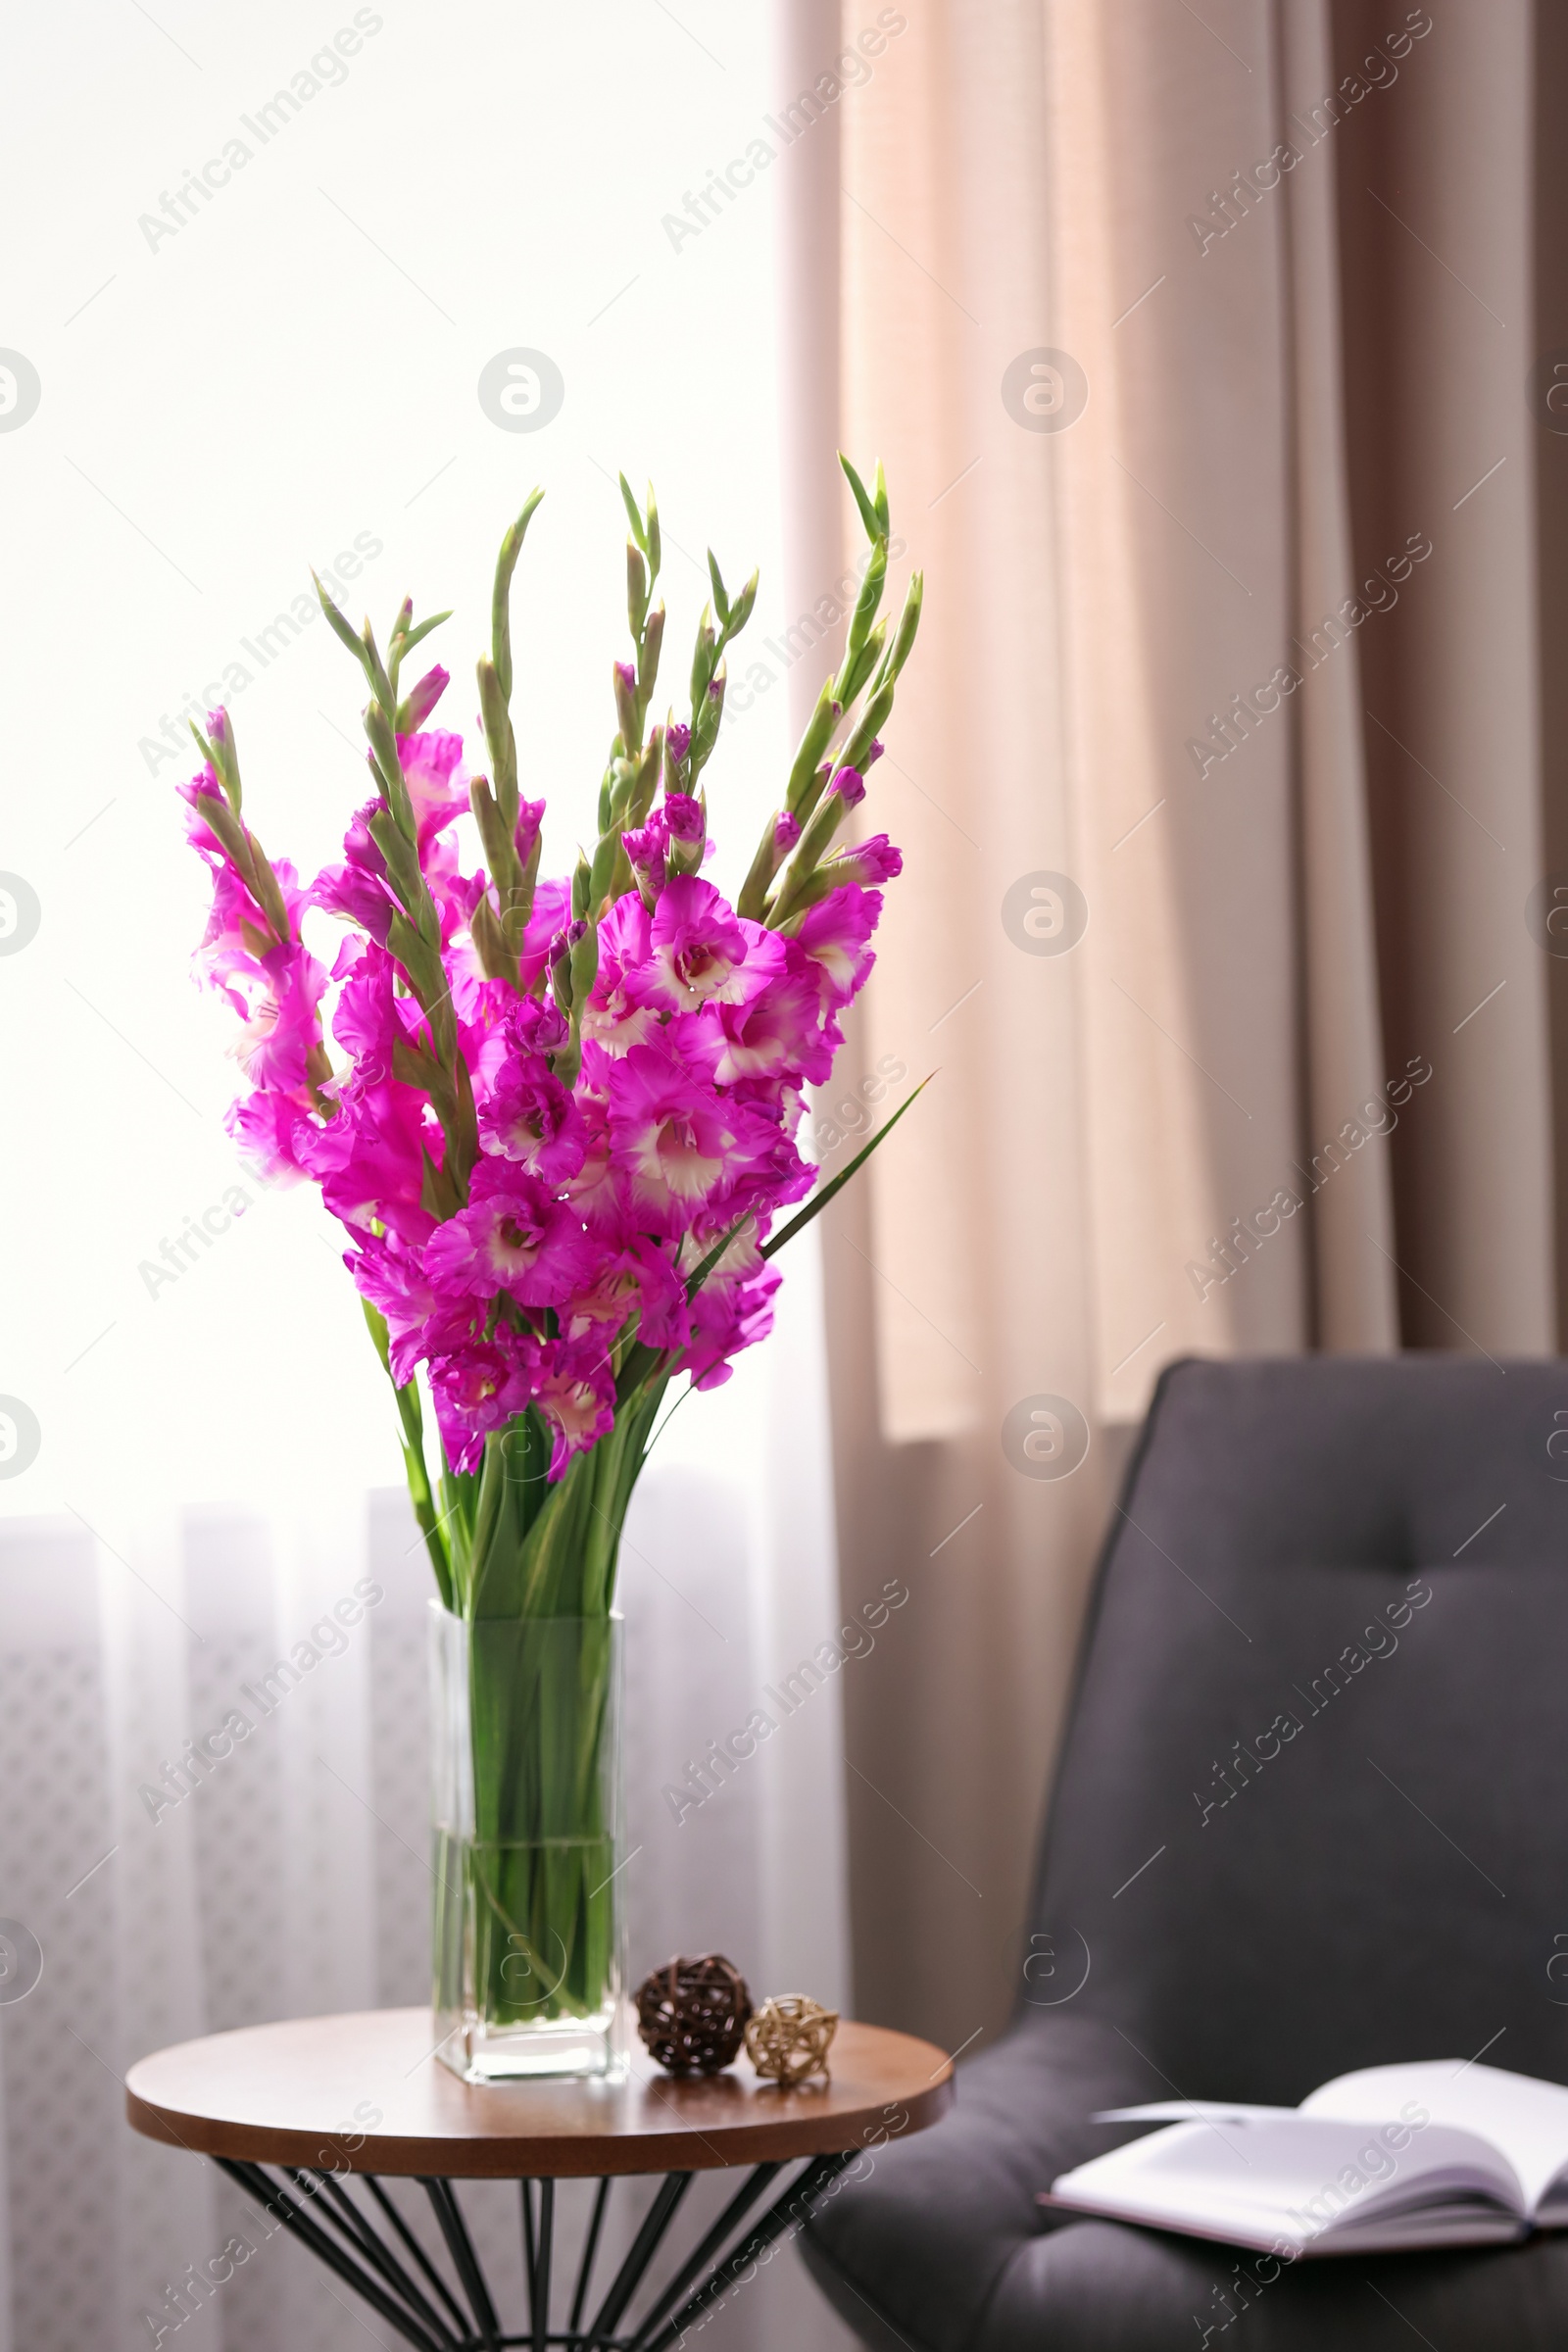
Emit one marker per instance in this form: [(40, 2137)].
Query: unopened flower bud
[(677, 740), (684, 816), (786, 833), (850, 785)]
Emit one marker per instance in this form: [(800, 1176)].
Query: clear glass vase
[(528, 1929)]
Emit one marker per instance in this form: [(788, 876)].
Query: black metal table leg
[(585, 2267), (397, 2277), (791, 2207), (276, 2200), (541, 2292), (645, 2245), (465, 2261), (437, 2283)]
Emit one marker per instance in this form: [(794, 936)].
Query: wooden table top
[(365, 2093)]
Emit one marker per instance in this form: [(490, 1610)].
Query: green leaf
[(699, 1276), (423, 631), (820, 1200)]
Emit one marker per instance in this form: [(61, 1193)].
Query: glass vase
[(528, 1929)]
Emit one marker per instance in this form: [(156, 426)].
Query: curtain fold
[(1189, 339)]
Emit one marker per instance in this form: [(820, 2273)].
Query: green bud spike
[(375, 670), (389, 768), (875, 527), (500, 738), (720, 600), (741, 610), (632, 515), (648, 663), (814, 743), (636, 589), (340, 626), (903, 640), (626, 712), (861, 736), (853, 675), (653, 544), (501, 593), (879, 498), (606, 858), (581, 887), (640, 799)]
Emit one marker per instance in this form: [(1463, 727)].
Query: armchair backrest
[(1312, 1808)]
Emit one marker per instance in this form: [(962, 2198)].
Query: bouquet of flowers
[(561, 1132)]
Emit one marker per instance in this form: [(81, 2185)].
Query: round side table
[(304, 2114)]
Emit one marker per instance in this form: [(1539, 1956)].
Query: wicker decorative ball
[(786, 2039), (692, 2013)]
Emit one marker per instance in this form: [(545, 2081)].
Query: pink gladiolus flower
[(833, 936), (612, 1019), (369, 1159), (648, 848), (850, 785), (357, 889), (272, 1130), (679, 740), (733, 1309), (874, 861), (786, 831), (697, 948), (395, 1284), (437, 782), (551, 909), (671, 1135), (779, 1030), (639, 1277), (576, 1393), (530, 818), (514, 1236), (422, 699), (478, 1386), (284, 1021), (683, 815), (531, 1117)]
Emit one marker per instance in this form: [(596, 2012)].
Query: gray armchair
[(1311, 1814)]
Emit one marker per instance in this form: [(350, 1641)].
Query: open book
[(1447, 2153)]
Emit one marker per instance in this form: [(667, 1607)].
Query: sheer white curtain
[(279, 370)]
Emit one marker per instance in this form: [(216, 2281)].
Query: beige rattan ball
[(786, 2039)]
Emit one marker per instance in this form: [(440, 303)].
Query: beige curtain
[(1200, 346)]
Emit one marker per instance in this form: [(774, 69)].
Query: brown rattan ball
[(692, 2013)]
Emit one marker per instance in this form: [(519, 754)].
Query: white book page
[(1526, 2119), (1288, 2177)]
